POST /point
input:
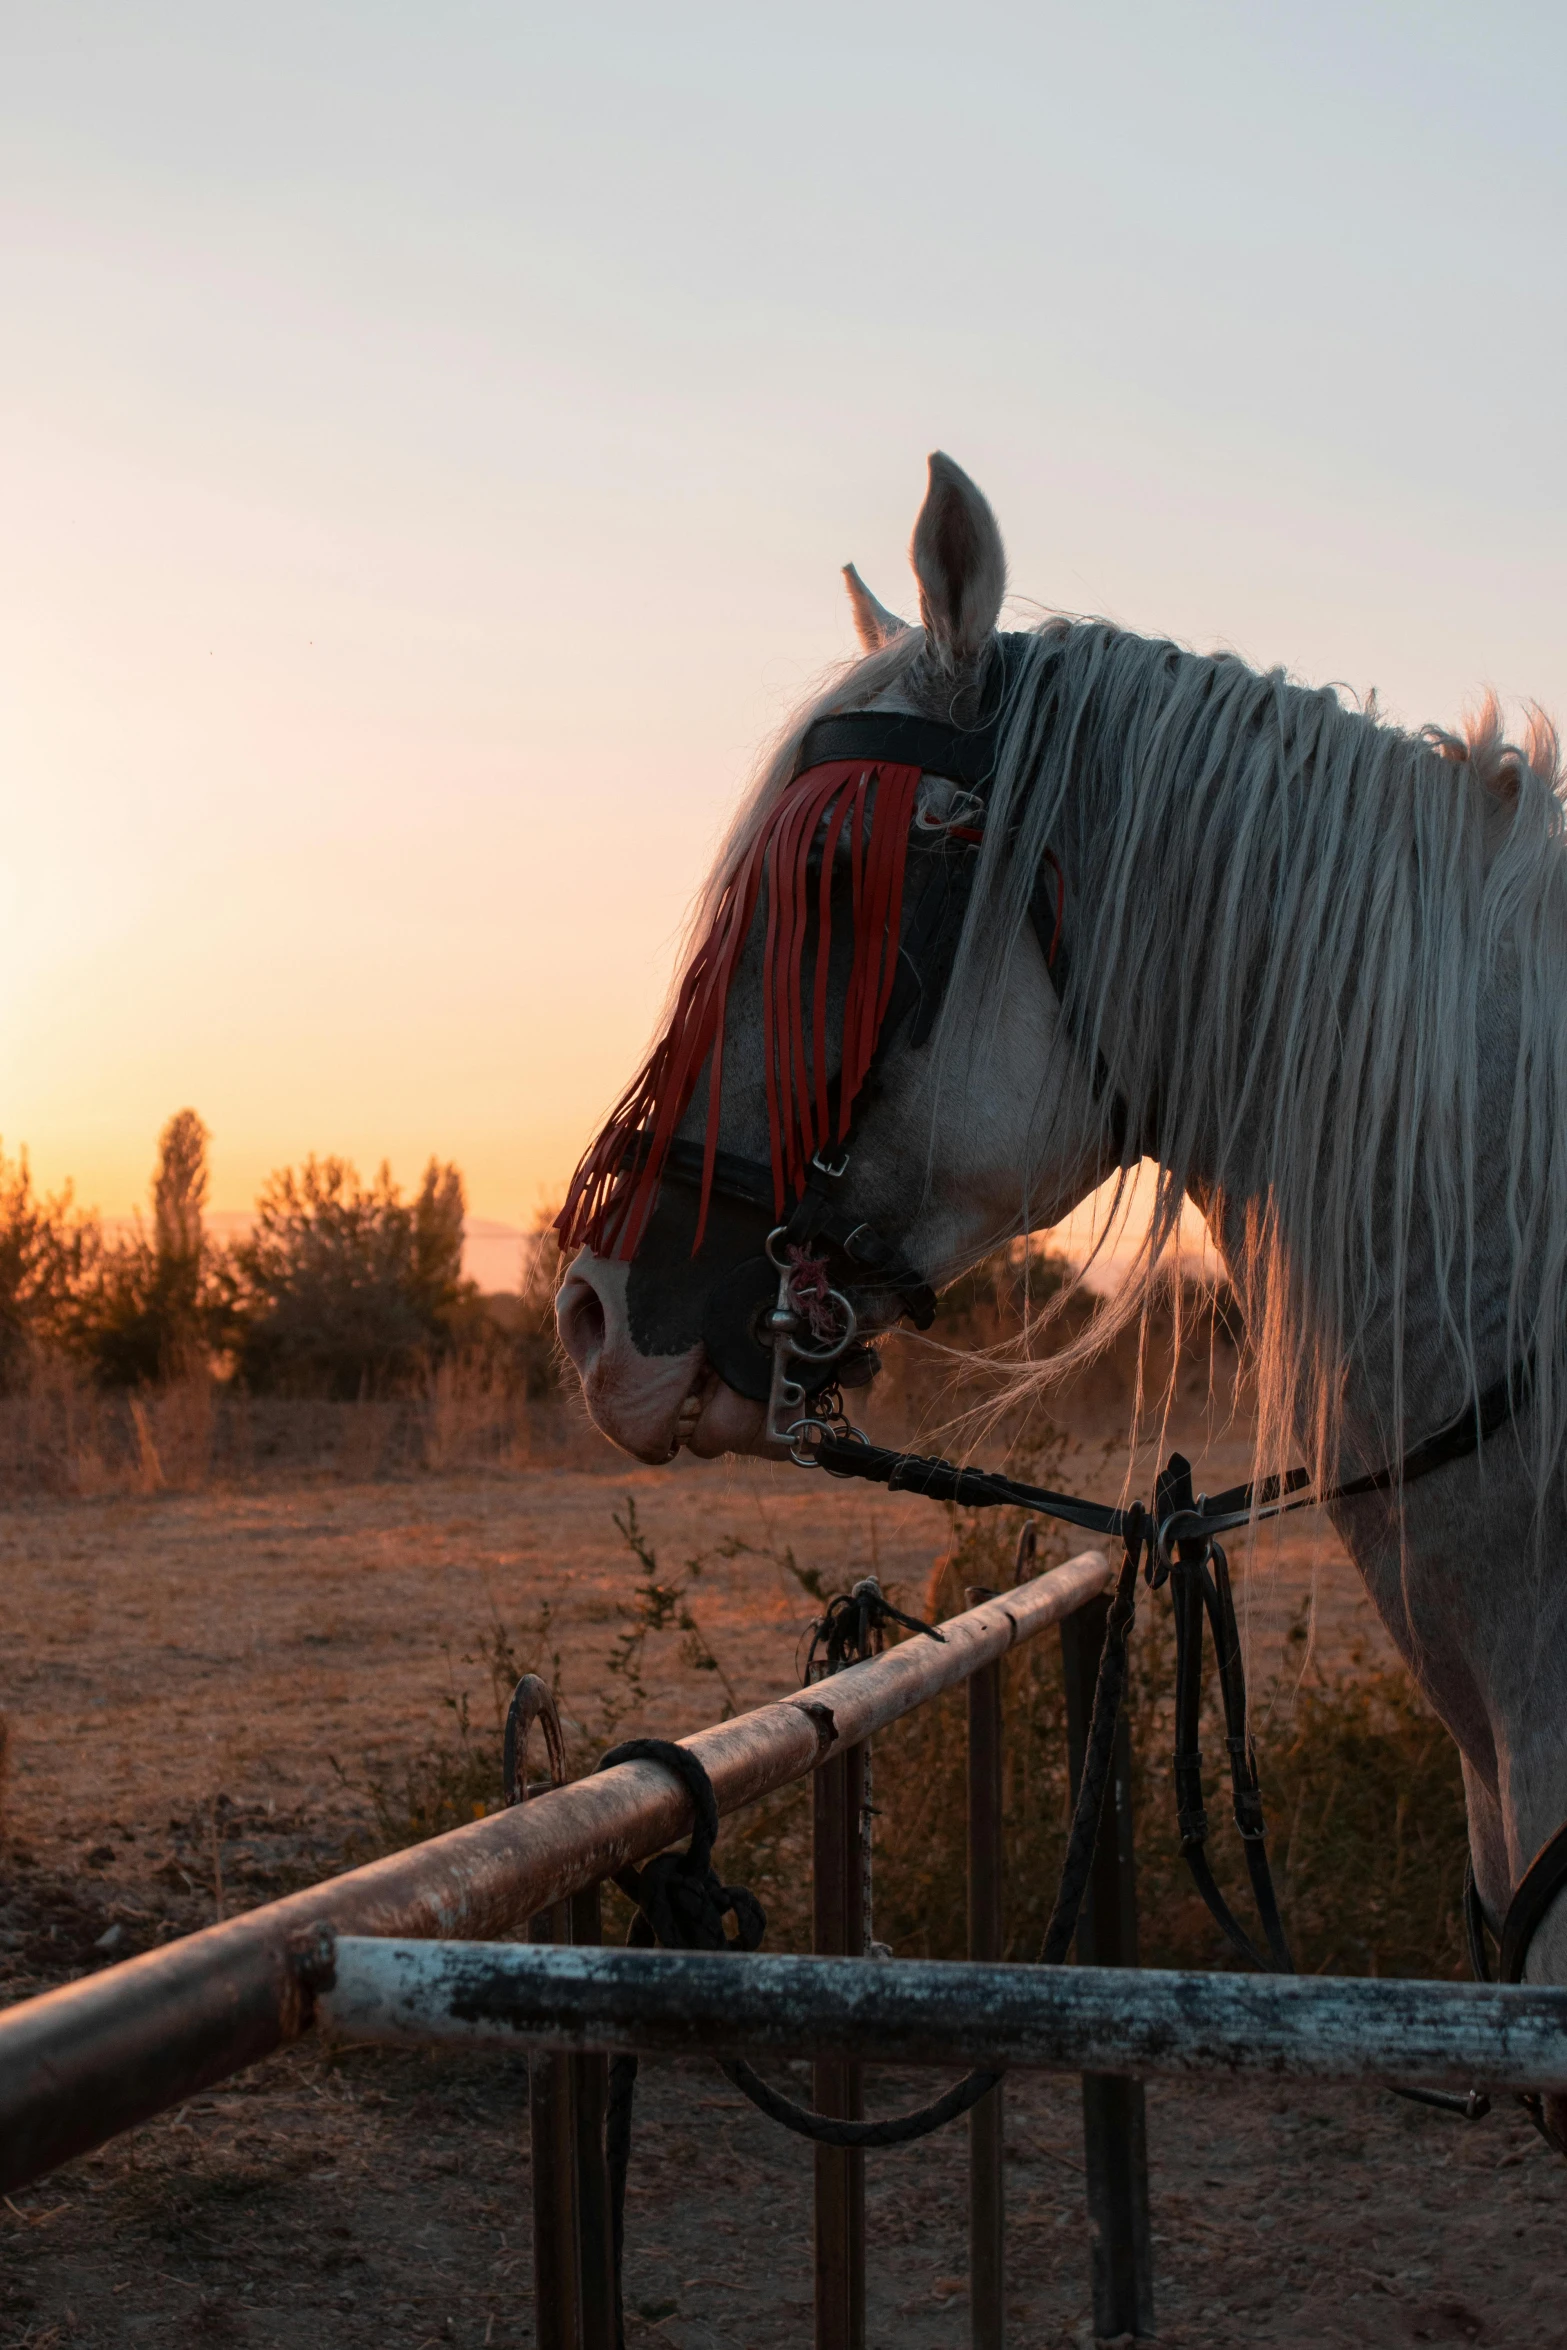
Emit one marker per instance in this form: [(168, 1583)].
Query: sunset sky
[(429, 439)]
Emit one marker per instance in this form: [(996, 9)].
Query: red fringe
[(609, 1203)]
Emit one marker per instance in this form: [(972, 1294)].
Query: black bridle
[(942, 858)]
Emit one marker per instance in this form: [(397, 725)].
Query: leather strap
[(977, 1489), (965, 755), (1537, 1888)]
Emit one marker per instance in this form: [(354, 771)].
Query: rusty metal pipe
[(1114, 2020), (841, 1931), (1115, 2127), (986, 1940), (81, 2064)]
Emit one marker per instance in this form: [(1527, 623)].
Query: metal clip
[(786, 1330)]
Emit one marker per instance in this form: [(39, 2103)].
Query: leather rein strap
[(1179, 1535), (1537, 1888), (1180, 1519)]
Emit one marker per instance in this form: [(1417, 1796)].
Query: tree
[(342, 1289), (143, 1310), (42, 1251), (436, 1283), (179, 1192)]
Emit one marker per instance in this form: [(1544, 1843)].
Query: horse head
[(819, 1099)]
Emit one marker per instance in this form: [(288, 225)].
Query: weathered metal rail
[(79, 2065), (1096, 2020)]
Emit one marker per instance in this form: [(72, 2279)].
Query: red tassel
[(609, 1201)]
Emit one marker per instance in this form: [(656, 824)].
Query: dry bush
[(62, 1434), (44, 1247), (58, 1433), (343, 1289)]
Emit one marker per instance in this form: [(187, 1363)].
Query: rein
[(1178, 1535), (1176, 1516)]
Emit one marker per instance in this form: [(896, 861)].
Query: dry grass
[(62, 1435), (1361, 1782)]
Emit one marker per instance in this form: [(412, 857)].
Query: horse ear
[(960, 564), (874, 625)]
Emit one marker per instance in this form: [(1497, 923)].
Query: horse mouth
[(689, 1416), (716, 1418)]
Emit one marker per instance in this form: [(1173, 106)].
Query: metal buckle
[(1179, 1526), (833, 1169), (785, 1330)]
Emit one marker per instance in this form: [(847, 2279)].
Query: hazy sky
[(429, 438)]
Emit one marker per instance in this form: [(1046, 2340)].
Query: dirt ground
[(197, 1687)]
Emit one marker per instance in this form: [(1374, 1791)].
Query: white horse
[(1314, 970)]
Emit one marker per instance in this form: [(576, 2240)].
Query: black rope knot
[(682, 1910), (681, 1904), (681, 1901)]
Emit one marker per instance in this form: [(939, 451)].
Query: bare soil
[(199, 1686)]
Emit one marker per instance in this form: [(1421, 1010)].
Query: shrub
[(508, 1338), (43, 1249), (344, 1290)]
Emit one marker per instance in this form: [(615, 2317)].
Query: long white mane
[(1314, 918), (1311, 915)]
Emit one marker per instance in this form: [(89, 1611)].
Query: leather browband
[(965, 755)]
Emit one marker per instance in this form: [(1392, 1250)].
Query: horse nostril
[(579, 1317)]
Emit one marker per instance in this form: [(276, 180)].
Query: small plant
[(1363, 1891), (450, 1780), (782, 1555), (657, 1606)]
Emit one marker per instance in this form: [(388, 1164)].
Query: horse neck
[(1400, 1372), (1429, 1308)]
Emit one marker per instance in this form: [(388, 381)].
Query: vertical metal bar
[(987, 2205), (556, 2283), (839, 1900), (590, 2095), (1114, 2125)]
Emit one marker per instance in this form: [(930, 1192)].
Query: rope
[(899, 2129)]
